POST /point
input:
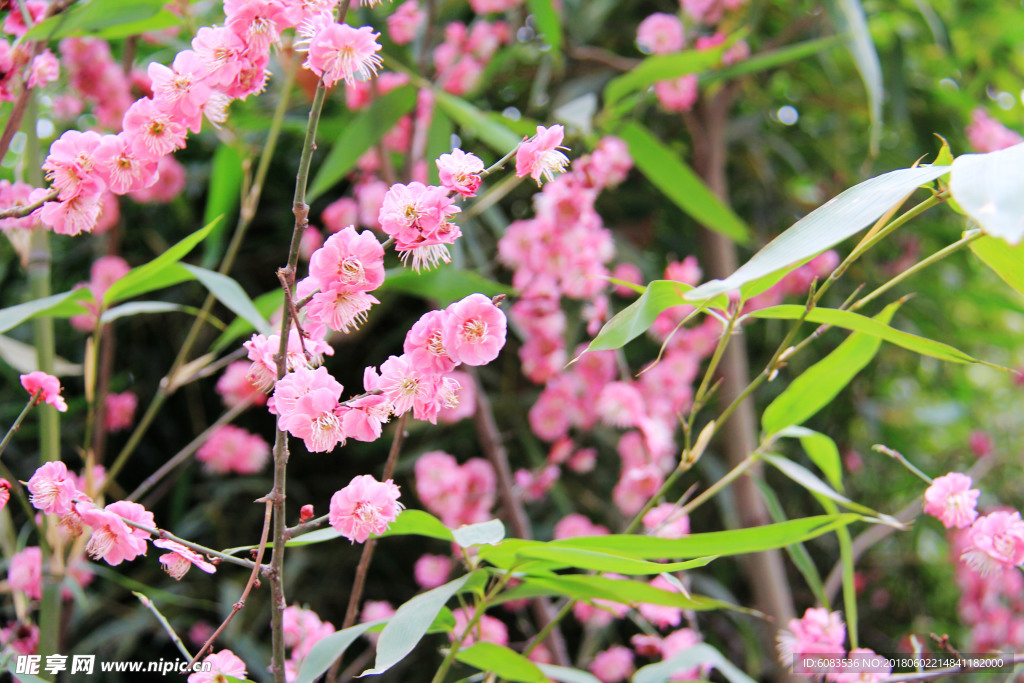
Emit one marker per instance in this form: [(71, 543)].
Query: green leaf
[(158, 273), (771, 59), (139, 307), (679, 183), (409, 624), (567, 675), (231, 294), (58, 305), (635, 319), (502, 661), (312, 538), (363, 132), (443, 284), (822, 451), (848, 15), (1006, 261), (93, 16), (548, 22), (987, 187), (475, 123), (419, 523), (223, 196), (817, 386), (860, 323), (439, 141), (579, 558), (660, 68), (484, 533), (266, 303), (803, 476), (691, 657), (841, 217), (164, 19), (718, 543), (330, 648), (624, 591)]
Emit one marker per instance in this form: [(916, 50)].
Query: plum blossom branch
[(175, 638), (22, 211), (32, 400), (161, 533)]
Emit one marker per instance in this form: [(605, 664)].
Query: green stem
[(148, 604), (17, 422), (729, 478), (969, 237), (161, 533), (481, 607)]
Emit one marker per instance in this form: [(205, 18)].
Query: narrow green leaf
[(817, 386), (846, 559), (162, 20), (773, 58), (660, 68), (548, 22), (679, 183), (223, 196), (149, 276), (439, 141), (92, 16), (579, 558), (484, 533), (1006, 261), (718, 543), (859, 323), (624, 591), (139, 307), (987, 187), (690, 658), (798, 551), (443, 284), (567, 675), (822, 451), (409, 624), (363, 132), (267, 304), (231, 294), (312, 538), (475, 123), (848, 15), (419, 523), (330, 648), (56, 304), (506, 663), (803, 476), (841, 217), (635, 319)]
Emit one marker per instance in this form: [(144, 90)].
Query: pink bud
[(305, 514)]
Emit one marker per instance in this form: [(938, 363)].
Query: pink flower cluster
[(459, 61), (562, 252), (951, 499), (539, 156), (48, 388), (364, 507), (342, 273), (222, 664), (992, 604), (233, 449), (457, 494), (18, 67), (302, 630), (224, 63), (417, 217)]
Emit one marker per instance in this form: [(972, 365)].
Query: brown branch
[(22, 211)]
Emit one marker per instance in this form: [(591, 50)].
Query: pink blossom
[(315, 421), (980, 443), (221, 52), (457, 494), (539, 155), (677, 94), (340, 214), (234, 387), (339, 52), (22, 636), (661, 34), (49, 385), (263, 352), (257, 22), (233, 449), (352, 261), (995, 541), (583, 460), (71, 165), (676, 642), (113, 540), (120, 410), (662, 616), (417, 216), (460, 172), (169, 182), (182, 90), (52, 488), (666, 521), (534, 486), (340, 308), (636, 486), (154, 133), (404, 23), (14, 23), (25, 572), (817, 632), (474, 332), (222, 664), (303, 629), (430, 571), (864, 666), (424, 346), (73, 216), (403, 383), (181, 559), (45, 69), (5, 492), (613, 665), (951, 499), (486, 630), (364, 507), (988, 135), (121, 167), (467, 399), (375, 610), (575, 525)]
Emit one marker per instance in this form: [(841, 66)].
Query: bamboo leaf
[(475, 123), (803, 476), (987, 187), (635, 319), (828, 225), (1006, 261), (506, 663), (660, 68), (231, 294), (64, 304), (691, 658), (484, 533), (591, 560), (850, 21)]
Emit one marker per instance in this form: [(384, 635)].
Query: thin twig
[(148, 604), (22, 211)]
